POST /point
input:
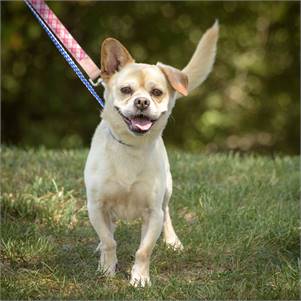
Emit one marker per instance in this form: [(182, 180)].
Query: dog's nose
[(141, 103)]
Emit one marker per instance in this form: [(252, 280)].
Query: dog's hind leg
[(169, 235)]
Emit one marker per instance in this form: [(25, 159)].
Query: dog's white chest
[(127, 184), (129, 190), (123, 201)]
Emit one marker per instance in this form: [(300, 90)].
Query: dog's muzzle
[(138, 124)]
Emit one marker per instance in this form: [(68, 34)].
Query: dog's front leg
[(102, 224), (152, 229)]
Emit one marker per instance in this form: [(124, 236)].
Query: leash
[(47, 18)]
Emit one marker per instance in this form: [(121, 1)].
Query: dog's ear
[(203, 58), (177, 79), (113, 57)]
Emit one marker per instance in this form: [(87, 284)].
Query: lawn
[(237, 216)]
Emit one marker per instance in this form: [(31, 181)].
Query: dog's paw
[(107, 271), (174, 244), (138, 279), (107, 263)]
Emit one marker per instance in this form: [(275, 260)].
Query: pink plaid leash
[(66, 39)]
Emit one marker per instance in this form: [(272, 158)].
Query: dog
[(127, 173)]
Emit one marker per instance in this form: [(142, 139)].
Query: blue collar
[(121, 142)]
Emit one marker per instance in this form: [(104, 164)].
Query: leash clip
[(98, 82)]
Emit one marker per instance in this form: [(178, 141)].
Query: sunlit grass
[(236, 216)]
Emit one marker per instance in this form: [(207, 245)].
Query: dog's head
[(139, 97), (140, 94)]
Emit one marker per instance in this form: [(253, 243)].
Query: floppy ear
[(113, 57), (177, 79)]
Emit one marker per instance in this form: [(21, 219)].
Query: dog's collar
[(121, 142)]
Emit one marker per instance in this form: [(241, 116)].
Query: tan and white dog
[(127, 173)]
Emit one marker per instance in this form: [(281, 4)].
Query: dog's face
[(139, 97)]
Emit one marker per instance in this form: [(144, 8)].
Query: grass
[(237, 217)]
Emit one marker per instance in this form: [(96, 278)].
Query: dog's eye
[(156, 92), (126, 90)]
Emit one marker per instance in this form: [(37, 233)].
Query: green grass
[(237, 217)]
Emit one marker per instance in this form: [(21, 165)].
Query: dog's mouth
[(139, 124)]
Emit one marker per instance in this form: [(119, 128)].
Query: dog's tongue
[(142, 124)]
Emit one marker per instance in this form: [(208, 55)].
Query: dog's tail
[(203, 58)]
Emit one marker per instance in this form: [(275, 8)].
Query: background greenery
[(249, 102)]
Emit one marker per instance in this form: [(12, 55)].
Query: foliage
[(236, 216), (249, 102)]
